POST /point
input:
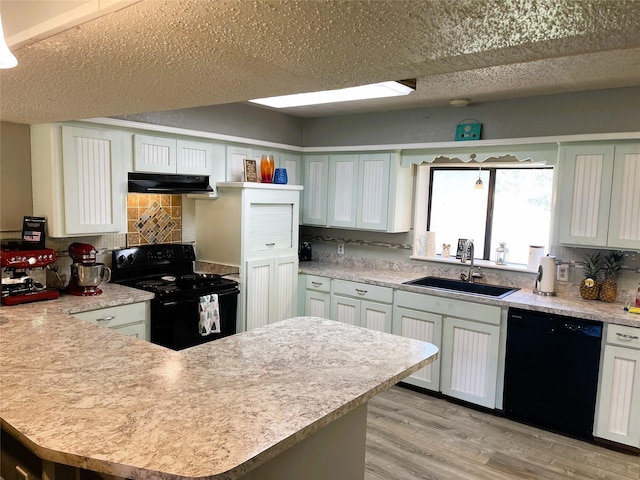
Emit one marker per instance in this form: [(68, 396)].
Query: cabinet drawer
[(363, 291), (116, 316), (450, 307), (623, 335), (321, 284)]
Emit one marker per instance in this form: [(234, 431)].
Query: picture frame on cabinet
[(250, 170)]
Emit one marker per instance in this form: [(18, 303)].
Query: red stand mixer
[(86, 274)]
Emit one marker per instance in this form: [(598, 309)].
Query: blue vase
[(280, 176)]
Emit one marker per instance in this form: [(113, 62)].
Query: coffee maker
[(24, 273), (86, 273)]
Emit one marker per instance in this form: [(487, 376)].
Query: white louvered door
[(373, 191), (428, 328), (345, 309), (470, 362), (618, 417), (93, 178), (154, 154), (316, 182), (343, 190), (196, 158), (624, 219), (285, 288), (258, 292), (270, 227)]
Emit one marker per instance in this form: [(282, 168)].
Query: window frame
[(492, 169)]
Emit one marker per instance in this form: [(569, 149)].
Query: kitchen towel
[(209, 315), (535, 254)]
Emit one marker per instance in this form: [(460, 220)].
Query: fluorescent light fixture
[(7, 60), (363, 92)]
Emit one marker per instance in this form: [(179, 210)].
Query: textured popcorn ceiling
[(154, 55)]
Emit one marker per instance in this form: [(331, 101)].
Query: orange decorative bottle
[(267, 165)]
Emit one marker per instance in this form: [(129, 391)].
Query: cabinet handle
[(105, 319), (269, 244), (361, 292), (627, 337), (317, 284)]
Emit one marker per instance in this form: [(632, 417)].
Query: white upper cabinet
[(155, 154), (316, 181), (80, 186), (367, 191), (599, 195)]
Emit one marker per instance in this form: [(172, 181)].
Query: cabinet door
[(314, 204), (428, 328), (624, 219), (285, 289), (93, 180), (345, 309), (137, 330), (154, 154), (376, 316), (235, 163), (258, 292), (343, 190), (270, 227), (292, 162), (618, 415), (586, 173), (317, 304), (470, 361), (373, 191), (196, 158)]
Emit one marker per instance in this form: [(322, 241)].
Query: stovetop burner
[(149, 284)]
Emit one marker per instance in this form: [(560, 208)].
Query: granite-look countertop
[(523, 298), (83, 395)]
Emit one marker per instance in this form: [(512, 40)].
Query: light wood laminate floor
[(415, 436)]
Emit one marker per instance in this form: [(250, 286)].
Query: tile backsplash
[(153, 219)]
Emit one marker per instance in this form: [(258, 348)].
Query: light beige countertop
[(83, 395), (524, 298)]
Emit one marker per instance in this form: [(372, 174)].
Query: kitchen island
[(284, 401)]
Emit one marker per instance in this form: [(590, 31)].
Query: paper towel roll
[(535, 254), (547, 283), (430, 244)]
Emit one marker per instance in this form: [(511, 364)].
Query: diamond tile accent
[(154, 219)]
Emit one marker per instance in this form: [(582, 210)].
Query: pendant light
[(479, 184), (7, 60)]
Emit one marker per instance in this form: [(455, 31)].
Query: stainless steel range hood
[(168, 183)]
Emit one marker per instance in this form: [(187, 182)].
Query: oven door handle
[(170, 304)]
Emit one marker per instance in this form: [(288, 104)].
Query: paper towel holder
[(538, 279)]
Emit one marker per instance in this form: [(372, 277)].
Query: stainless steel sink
[(482, 289)]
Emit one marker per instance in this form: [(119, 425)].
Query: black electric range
[(189, 308)]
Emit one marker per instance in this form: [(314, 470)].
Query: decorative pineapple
[(611, 266), (590, 285)]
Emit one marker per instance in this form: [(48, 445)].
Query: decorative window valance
[(546, 153)]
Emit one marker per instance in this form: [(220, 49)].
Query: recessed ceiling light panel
[(363, 92)]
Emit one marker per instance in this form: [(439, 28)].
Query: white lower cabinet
[(271, 293), (618, 404), (317, 301), (470, 361), (131, 319), (362, 305), (409, 321)]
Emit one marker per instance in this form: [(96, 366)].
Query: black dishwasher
[(551, 371)]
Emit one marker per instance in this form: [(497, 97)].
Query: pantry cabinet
[(409, 320), (131, 319), (598, 195), (80, 186), (367, 191), (618, 403), (254, 227), (362, 304)]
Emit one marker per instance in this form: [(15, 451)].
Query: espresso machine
[(24, 273), (86, 273)]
